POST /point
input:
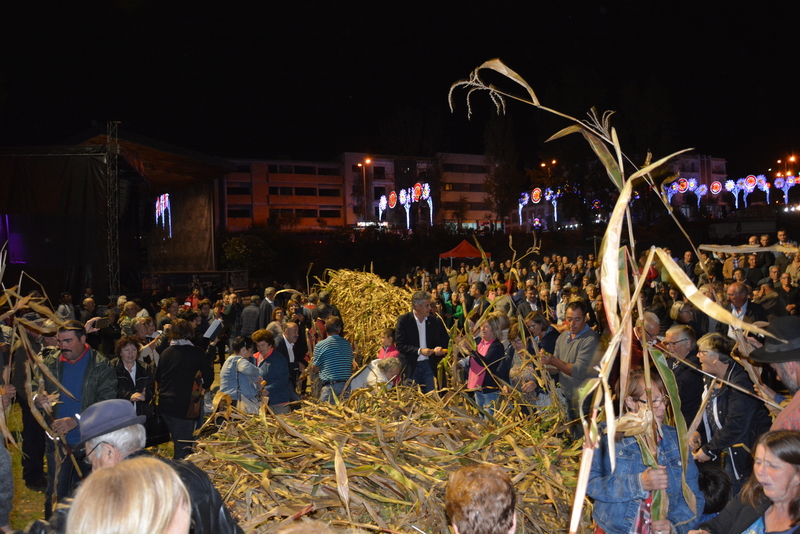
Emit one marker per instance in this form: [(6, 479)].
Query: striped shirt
[(334, 357)]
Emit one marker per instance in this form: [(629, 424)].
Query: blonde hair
[(137, 495), (496, 321)]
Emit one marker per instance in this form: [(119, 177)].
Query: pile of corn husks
[(368, 304), (380, 461)]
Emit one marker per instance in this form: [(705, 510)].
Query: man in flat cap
[(111, 432), (783, 355)]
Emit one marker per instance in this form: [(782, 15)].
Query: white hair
[(125, 440)]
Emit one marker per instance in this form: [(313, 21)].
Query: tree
[(504, 182), (460, 210), (248, 252)]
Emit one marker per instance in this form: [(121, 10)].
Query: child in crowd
[(388, 350)]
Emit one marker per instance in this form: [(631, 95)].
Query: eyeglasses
[(670, 344), (656, 402), (89, 454), (702, 353)]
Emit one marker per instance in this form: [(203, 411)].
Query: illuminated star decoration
[(701, 191), (164, 212), (734, 187), (784, 185), (672, 189), (763, 184), (405, 200), (426, 196), (749, 186), (382, 206), (523, 201), (552, 197)]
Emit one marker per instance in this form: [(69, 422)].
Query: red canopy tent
[(463, 250)]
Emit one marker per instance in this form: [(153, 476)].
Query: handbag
[(156, 429)]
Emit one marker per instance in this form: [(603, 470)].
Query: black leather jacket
[(209, 514)]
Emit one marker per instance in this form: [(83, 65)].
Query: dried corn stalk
[(389, 454), (368, 305)]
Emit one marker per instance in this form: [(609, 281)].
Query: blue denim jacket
[(617, 495)]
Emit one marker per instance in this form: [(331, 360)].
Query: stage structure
[(83, 214)]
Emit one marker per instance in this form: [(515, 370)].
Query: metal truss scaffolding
[(112, 206)]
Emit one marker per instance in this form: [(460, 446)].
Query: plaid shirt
[(789, 418)]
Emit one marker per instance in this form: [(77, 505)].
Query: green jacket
[(99, 381)]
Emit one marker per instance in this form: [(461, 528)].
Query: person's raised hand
[(655, 479)]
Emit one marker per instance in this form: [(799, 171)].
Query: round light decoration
[(596, 204), (426, 191), (716, 188), (537, 223), (730, 185), (403, 197), (417, 192), (791, 181), (683, 185), (779, 182), (392, 199), (548, 194), (536, 195), (750, 182), (701, 190)]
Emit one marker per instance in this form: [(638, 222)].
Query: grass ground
[(28, 504)]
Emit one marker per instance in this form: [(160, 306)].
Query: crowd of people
[(274, 347)]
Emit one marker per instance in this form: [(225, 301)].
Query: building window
[(286, 169), (272, 168), (447, 187), (328, 171), (330, 192), (330, 213), (379, 173), (461, 167), (238, 189), (305, 191), (306, 212), (277, 190), (240, 212), (243, 167), (379, 192), (305, 169)]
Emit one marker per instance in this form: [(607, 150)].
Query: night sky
[(313, 79)]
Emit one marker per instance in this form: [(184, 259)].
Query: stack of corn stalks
[(368, 304), (380, 461)]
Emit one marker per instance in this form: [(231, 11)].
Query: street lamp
[(548, 166), (364, 175), (786, 170)]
